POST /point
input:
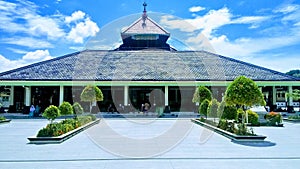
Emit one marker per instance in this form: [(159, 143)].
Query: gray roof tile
[(143, 65)]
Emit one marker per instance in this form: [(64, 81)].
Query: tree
[(295, 95), (91, 94), (295, 73), (202, 93), (244, 93), (66, 108), (51, 113)]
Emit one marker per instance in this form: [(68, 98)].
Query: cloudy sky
[(261, 32)]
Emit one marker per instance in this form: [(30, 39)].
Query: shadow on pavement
[(255, 143)]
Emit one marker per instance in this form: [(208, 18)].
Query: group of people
[(34, 111)]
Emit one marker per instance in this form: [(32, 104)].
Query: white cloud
[(207, 23), (23, 18), (244, 47), (29, 58), (212, 20), (19, 51), (280, 62), (76, 16), (253, 20), (250, 49), (7, 64), (28, 42), (83, 30), (38, 55), (287, 8), (44, 26), (196, 9), (174, 23)]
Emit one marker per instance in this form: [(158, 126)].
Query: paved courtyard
[(147, 143)]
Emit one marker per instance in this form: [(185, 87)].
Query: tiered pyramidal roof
[(130, 63), (144, 33)]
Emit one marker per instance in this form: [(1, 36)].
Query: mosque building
[(144, 69)]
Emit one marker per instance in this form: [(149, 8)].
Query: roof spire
[(144, 14), (145, 5)]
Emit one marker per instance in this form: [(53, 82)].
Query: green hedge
[(60, 128), (273, 119)]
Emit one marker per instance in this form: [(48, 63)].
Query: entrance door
[(141, 95)]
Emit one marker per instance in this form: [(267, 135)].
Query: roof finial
[(145, 5), (144, 14)]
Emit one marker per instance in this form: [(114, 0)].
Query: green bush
[(93, 117), (2, 118), (66, 108), (84, 119), (77, 109), (252, 117), (51, 113), (45, 132), (75, 123), (201, 94), (203, 107), (273, 119), (57, 129), (243, 130), (294, 117), (227, 112), (227, 126)]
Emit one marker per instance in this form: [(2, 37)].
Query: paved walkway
[(147, 143)]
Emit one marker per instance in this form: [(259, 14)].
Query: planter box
[(227, 134), (5, 121), (60, 139)]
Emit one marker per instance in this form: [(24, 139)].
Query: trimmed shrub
[(51, 113), (57, 129), (45, 132), (227, 112), (2, 118), (77, 108), (252, 117), (201, 94), (273, 118), (294, 117), (203, 107), (66, 108)]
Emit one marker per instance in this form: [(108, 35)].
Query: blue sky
[(261, 32)]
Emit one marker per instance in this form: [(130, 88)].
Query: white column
[(27, 95), (61, 94), (166, 95), (274, 95), (11, 96), (290, 98), (126, 95)]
